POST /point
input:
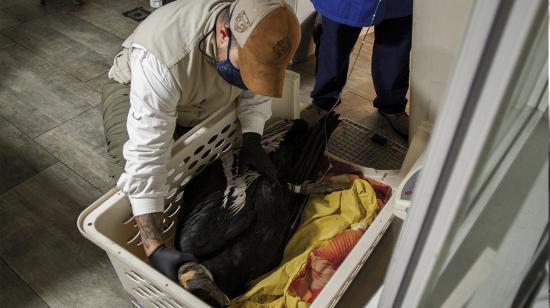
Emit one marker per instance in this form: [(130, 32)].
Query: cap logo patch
[(242, 23), (282, 48)]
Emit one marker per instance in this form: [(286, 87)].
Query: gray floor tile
[(36, 96), (7, 21), (67, 6), (20, 157), (42, 244), (40, 38), (29, 3), (15, 12), (20, 163), (98, 82), (34, 110), (5, 41), (123, 5), (66, 86), (49, 38), (107, 19), (60, 5), (86, 34), (15, 292), (82, 63), (10, 136), (24, 10), (80, 144)]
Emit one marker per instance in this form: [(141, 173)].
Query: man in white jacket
[(186, 60)]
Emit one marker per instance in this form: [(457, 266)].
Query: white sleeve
[(253, 111), (151, 122)]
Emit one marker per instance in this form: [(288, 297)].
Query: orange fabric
[(322, 263)]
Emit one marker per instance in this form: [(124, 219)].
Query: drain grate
[(137, 14), (358, 144)]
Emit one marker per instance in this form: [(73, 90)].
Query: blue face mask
[(229, 72)]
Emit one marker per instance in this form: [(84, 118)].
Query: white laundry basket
[(108, 222)]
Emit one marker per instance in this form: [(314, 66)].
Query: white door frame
[(495, 41)]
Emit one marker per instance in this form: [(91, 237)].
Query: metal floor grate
[(137, 14), (358, 144)]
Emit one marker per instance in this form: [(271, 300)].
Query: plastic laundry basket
[(108, 222)]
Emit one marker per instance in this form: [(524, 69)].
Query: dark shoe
[(399, 122), (312, 114)]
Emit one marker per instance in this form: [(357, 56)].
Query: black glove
[(168, 261), (253, 156)]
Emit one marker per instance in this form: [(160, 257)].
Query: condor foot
[(198, 280)]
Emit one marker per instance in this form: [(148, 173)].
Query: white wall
[(438, 26)]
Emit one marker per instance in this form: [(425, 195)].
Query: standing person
[(182, 63), (342, 21)]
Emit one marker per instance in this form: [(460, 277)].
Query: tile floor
[(54, 60)]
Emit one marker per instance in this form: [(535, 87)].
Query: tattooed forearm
[(150, 228)]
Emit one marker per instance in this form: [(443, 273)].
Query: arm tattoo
[(150, 228)]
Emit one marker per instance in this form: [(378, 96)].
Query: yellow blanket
[(322, 219)]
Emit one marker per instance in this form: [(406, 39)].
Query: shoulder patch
[(242, 23)]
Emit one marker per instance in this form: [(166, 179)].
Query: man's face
[(223, 37)]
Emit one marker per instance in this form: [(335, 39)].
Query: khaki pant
[(116, 105)]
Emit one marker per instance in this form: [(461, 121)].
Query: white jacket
[(173, 81)]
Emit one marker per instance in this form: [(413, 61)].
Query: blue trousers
[(390, 62)]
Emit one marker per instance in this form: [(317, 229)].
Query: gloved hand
[(253, 156), (168, 261)]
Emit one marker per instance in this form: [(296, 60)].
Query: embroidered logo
[(242, 23)]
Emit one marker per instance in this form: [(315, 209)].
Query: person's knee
[(115, 94)]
